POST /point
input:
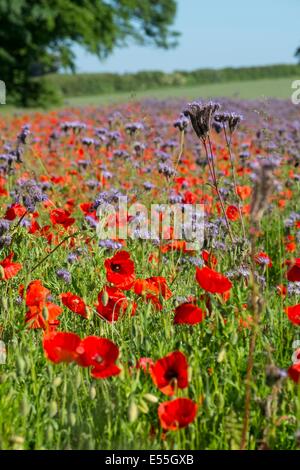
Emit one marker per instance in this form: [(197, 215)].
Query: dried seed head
[(201, 116), (232, 119), (181, 123)]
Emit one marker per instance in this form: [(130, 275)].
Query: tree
[(297, 54), (37, 36)]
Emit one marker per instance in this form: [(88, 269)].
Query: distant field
[(266, 88), (254, 89)]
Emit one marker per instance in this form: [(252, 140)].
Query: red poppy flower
[(154, 286), (61, 217), (120, 270), (243, 191), (263, 259), (34, 227), (281, 290), (293, 274), (189, 314), (212, 281), (36, 293), (112, 303), (3, 191), (189, 198), (209, 258), (175, 245), (232, 213), (100, 354), (176, 414), (170, 372), (74, 303), (161, 285), (293, 314), (60, 346), (294, 372), (9, 269), (86, 207), (43, 316), (290, 247), (16, 210)]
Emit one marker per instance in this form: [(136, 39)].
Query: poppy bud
[(49, 433), (93, 392), (78, 379), (17, 442), (133, 412), (20, 366), (143, 407), (151, 398), (105, 297), (221, 355), (72, 419), (57, 381), (24, 407), (3, 377), (53, 409), (4, 302), (45, 313)]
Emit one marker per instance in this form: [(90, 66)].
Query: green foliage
[(104, 83), (37, 37)]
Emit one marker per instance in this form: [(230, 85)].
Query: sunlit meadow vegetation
[(142, 343)]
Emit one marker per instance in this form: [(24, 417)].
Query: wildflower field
[(143, 342)]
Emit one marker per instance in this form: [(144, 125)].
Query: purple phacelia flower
[(64, 275)]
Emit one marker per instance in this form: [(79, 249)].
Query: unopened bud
[(57, 381), (20, 366), (143, 407), (151, 398), (105, 298), (93, 392), (133, 412), (24, 406), (72, 419), (52, 408)]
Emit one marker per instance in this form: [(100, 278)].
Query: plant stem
[(211, 165), (253, 338), (228, 143)]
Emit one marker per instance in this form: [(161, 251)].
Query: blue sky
[(214, 33)]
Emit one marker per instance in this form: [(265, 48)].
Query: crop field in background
[(253, 89), (142, 342)]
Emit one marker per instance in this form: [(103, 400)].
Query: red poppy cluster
[(169, 374), (100, 354)]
